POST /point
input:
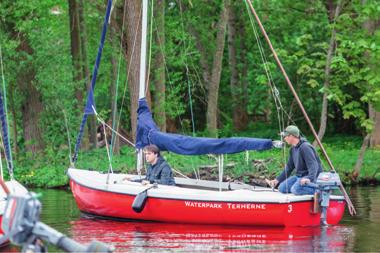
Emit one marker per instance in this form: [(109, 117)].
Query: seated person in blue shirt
[(304, 159), (158, 170)]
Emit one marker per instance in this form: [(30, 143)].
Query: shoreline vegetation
[(211, 74), (48, 170)]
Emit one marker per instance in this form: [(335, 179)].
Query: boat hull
[(103, 202), (15, 188)]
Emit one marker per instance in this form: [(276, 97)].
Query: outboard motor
[(326, 183), (21, 226)]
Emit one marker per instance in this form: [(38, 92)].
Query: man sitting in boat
[(304, 159), (158, 170)]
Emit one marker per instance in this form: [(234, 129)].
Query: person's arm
[(311, 162), (148, 172), (288, 169)]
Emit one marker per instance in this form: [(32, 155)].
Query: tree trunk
[(31, 110), (75, 42), (75, 49), (32, 105), (359, 161), (133, 39), (113, 99), (159, 67), (243, 114), (332, 46), (87, 78), (202, 54), (14, 117), (232, 59), (375, 136), (213, 88)]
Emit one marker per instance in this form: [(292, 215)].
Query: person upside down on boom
[(158, 170), (304, 159)]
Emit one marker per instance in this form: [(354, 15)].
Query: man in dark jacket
[(158, 170), (304, 159)]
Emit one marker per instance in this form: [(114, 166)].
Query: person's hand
[(127, 178), (304, 181), (272, 183), (278, 144), (145, 182)]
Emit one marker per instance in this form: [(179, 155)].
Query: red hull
[(117, 205), (1, 233)]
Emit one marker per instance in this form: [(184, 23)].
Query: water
[(353, 234)]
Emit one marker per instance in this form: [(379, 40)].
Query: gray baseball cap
[(291, 130)]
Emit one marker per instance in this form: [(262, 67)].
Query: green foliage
[(49, 170), (299, 31)]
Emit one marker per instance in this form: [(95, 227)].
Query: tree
[(333, 14), (133, 44), (32, 106), (159, 66), (238, 92), (213, 86)]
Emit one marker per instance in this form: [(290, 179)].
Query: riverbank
[(48, 170)]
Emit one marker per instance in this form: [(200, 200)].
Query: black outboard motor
[(21, 226), (326, 183)]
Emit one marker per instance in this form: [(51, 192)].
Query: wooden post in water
[(351, 207)]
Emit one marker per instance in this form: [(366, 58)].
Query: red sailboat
[(197, 201), (236, 204)]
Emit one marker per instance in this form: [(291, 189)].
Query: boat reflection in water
[(140, 236)]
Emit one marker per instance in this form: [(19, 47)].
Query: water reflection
[(137, 236), (356, 233), (366, 224)]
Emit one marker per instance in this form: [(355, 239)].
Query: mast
[(351, 207), (142, 69)]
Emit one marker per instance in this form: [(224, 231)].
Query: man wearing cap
[(304, 159)]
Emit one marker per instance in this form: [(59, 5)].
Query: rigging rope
[(130, 60), (4, 121), (196, 170), (113, 130), (68, 136), (90, 98), (115, 123), (274, 91)]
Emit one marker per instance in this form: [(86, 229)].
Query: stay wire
[(116, 123), (196, 170), (110, 169), (68, 137), (274, 90), (130, 60)]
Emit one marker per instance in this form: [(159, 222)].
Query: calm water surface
[(357, 233)]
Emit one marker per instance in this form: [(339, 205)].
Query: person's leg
[(286, 185), (298, 189)]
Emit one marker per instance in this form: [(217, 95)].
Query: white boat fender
[(140, 199)]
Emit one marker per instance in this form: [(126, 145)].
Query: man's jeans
[(292, 185)]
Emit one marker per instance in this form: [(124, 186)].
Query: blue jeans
[(292, 185)]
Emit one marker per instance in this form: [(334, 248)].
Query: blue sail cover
[(148, 133)]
